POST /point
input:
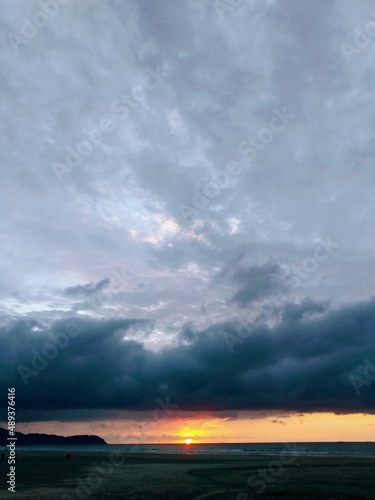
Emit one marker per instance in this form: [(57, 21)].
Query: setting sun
[(187, 441)]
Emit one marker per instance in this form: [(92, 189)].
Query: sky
[(186, 238)]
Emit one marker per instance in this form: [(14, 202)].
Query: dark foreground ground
[(49, 475)]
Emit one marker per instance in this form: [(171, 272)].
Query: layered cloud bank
[(307, 362)]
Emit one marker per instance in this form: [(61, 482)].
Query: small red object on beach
[(68, 455)]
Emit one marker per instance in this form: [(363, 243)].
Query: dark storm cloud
[(255, 282), (300, 365), (308, 308), (86, 290)]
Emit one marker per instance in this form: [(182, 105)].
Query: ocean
[(344, 449)]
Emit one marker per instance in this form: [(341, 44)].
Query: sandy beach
[(50, 475)]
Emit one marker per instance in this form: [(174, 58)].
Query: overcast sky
[(174, 172)]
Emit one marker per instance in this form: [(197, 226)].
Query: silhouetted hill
[(48, 439)]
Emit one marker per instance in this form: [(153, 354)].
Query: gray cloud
[(255, 283), (302, 365), (192, 86), (86, 290)]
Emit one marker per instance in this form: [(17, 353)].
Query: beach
[(132, 476)]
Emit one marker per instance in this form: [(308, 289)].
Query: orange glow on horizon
[(188, 441), (210, 428)]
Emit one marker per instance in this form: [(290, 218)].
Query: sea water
[(349, 449)]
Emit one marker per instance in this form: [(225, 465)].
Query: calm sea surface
[(317, 449)]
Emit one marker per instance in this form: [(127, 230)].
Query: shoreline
[(255, 454)]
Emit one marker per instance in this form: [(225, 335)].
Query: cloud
[(86, 290), (308, 308), (255, 282), (119, 208), (278, 422), (109, 242), (300, 366)]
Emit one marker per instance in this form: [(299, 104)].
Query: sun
[(188, 441)]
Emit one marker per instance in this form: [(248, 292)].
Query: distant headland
[(49, 439)]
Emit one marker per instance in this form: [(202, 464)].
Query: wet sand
[(50, 475)]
